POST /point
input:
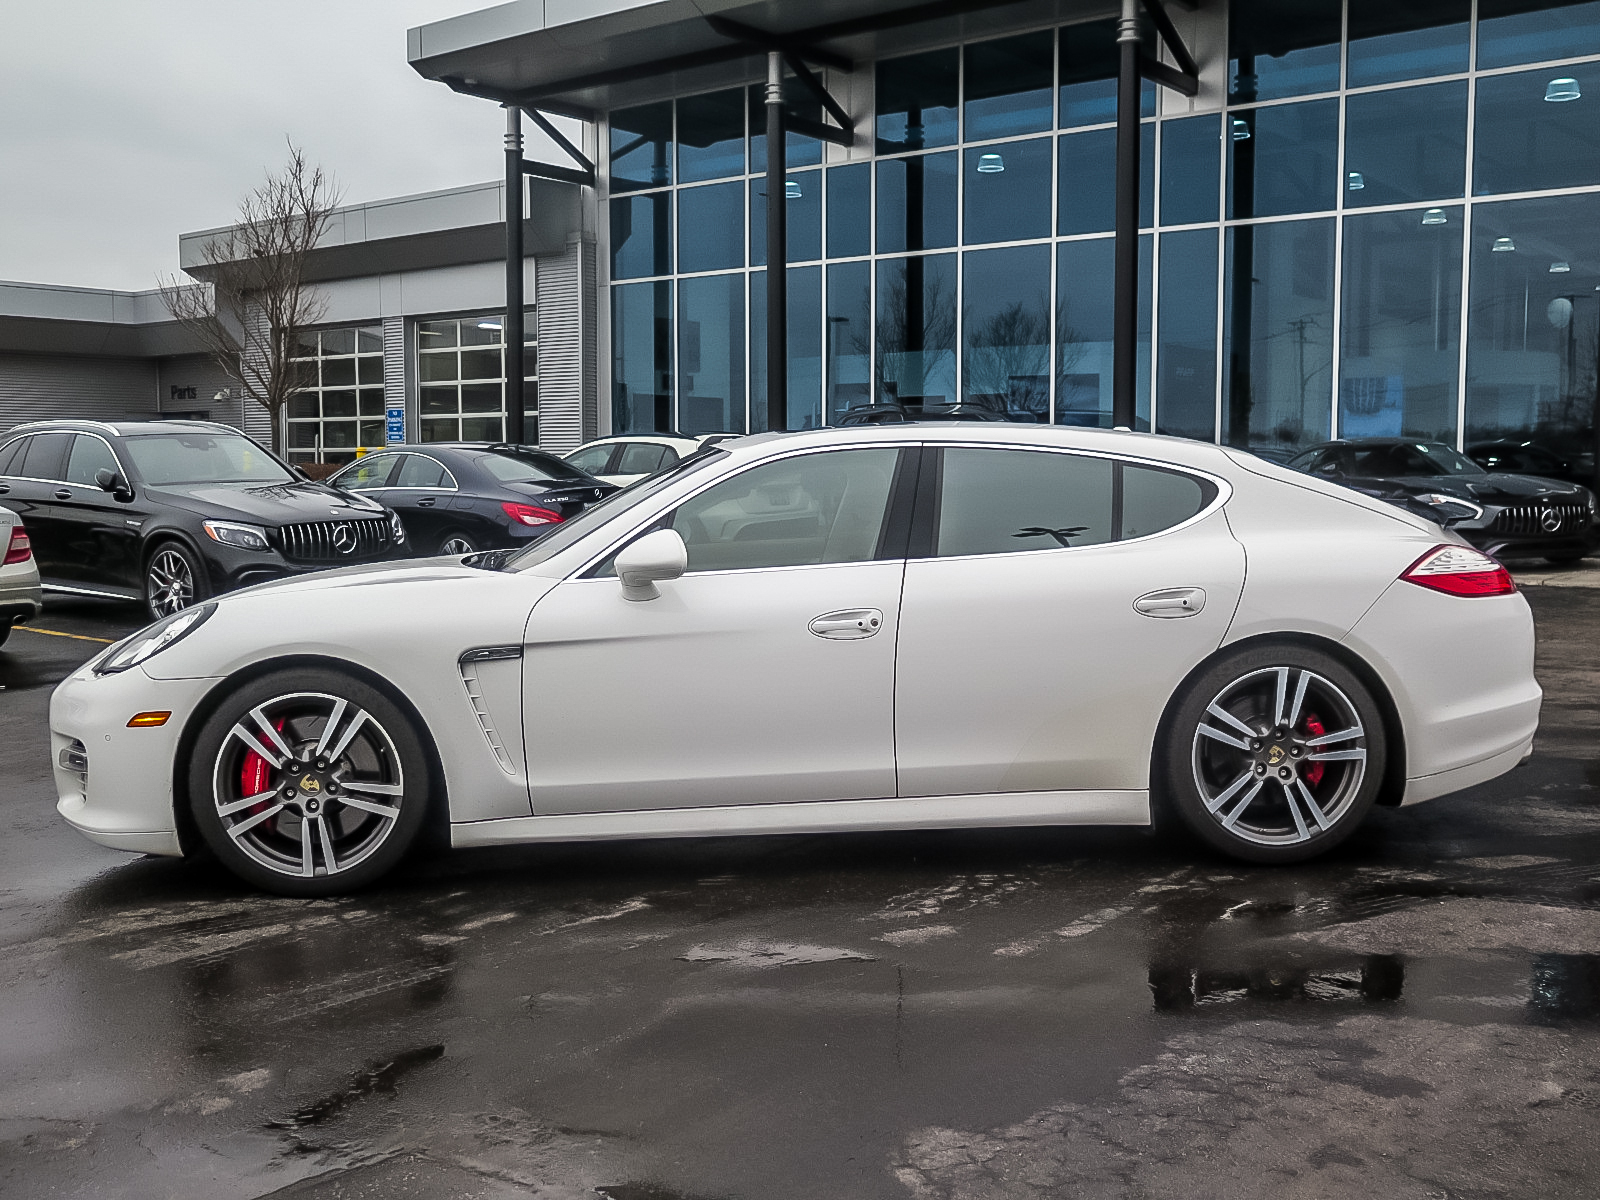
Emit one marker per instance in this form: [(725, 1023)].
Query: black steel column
[(511, 327), (1125, 301), (777, 252)]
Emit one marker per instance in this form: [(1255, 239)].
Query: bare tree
[(258, 302)]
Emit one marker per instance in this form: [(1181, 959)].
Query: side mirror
[(109, 481), (656, 556)]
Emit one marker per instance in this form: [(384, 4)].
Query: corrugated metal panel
[(394, 364), (563, 371), (590, 310), (257, 421), (37, 387)]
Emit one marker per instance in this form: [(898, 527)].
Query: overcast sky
[(124, 123)]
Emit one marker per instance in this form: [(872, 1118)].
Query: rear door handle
[(426, 502), (1171, 602), (4, 488), (63, 494), (847, 624)]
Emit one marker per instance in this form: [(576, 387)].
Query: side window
[(1153, 500), (999, 501), (592, 460), (812, 508), (47, 456), (11, 456), (367, 473), (669, 458), (89, 455), (420, 471), (641, 458)]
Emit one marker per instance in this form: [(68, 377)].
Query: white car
[(20, 597), (629, 458), (869, 628)]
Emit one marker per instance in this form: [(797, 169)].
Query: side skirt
[(832, 816)]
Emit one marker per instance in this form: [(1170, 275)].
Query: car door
[(764, 675), (37, 468), (422, 490), (98, 535), (1053, 603)]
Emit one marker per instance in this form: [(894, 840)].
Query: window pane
[(812, 508), (338, 404), (800, 150), (640, 244), (1278, 338), (480, 364), (338, 372), (1008, 86), (848, 334), (1283, 159), (441, 430), (338, 341), (370, 369), (804, 304), (710, 227), (1277, 49), (366, 473), (487, 330), (1002, 501), (1391, 40), (711, 341), (89, 456), (482, 429), (481, 398), (641, 147), (850, 210), (1186, 401), (436, 368), (435, 335), (1519, 31), (1087, 189), (420, 471), (1153, 500), (1191, 164), (1008, 191), (641, 349), (802, 206), (440, 400), (1404, 145), (917, 203), (1526, 141), (711, 136), (1089, 61), (1534, 328), (370, 340), (1006, 358), (916, 319), (1401, 328), (1085, 285), (593, 460), (916, 101), (371, 402), (640, 458)]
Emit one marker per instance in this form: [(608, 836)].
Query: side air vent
[(473, 663)]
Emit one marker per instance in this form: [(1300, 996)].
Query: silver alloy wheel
[(457, 545), (171, 583), (1279, 756), (308, 784)]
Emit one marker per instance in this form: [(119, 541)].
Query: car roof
[(120, 428)]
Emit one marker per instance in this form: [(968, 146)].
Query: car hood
[(378, 574), (1493, 489), (274, 504)]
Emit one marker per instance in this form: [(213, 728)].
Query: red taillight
[(20, 548), (1460, 571), (531, 514)]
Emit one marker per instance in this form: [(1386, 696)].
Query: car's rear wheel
[(173, 580), (457, 543), (1275, 754), (309, 783)]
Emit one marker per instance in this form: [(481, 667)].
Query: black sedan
[(1507, 515), (170, 512), (460, 497)]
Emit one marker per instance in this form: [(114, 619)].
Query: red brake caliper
[(254, 771), (1313, 771)]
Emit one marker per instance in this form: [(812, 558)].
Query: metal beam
[(511, 326), (816, 129), (1159, 72), (824, 97), (560, 139), (777, 251), (762, 39), (561, 174), (1125, 250), (1169, 35)]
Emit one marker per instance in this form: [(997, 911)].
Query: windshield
[(170, 458), (596, 515), (1442, 460), (523, 466)]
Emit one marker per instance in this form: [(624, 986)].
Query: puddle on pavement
[(379, 1078), (1564, 987), (639, 1191), (1180, 987)]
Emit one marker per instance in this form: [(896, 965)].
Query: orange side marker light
[(147, 720)]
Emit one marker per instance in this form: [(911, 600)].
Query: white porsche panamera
[(872, 628)]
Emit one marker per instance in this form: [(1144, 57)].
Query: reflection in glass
[(1283, 159), (1008, 86), (917, 202), (1278, 334), (1006, 331), (710, 136), (1523, 31), (1406, 144), (711, 354), (640, 243), (710, 227), (1276, 50), (800, 149), (1186, 356), (847, 337), (1523, 142), (1087, 190), (850, 210), (1008, 191), (641, 357), (1400, 332), (804, 337), (1533, 333), (916, 101), (1085, 286), (916, 328), (1191, 164), (1089, 61), (641, 147), (1390, 42), (802, 221)]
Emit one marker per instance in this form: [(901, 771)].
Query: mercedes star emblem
[(344, 538), (1550, 520)]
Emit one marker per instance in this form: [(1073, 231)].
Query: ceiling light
[(791, 189), (1435, 216), (494, 325), (1559, 91), (1503, 246), (1241, 129), (990, 164), (1560, 268), (1357, 181)]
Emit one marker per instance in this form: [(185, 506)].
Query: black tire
[(5, 631), (1562, 560), (1293, 788), (456, 542), (310, 815), (174, 579)]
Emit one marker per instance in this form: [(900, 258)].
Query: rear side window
[(420, 471), (11, 456), (641, 458), (46, 457), (89, 455), (1153, 500)]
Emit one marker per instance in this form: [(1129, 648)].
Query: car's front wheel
[(173, 580), (309, 782), (1275, 754), (457, 544)]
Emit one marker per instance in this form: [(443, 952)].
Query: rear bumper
[(1426, 787)]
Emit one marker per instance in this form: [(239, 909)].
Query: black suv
[(171, 512)]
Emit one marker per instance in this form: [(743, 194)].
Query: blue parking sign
[(394, 426)]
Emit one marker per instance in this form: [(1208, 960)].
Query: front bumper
[(229, 568)]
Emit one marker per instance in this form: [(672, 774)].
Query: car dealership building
[(1343, 218)]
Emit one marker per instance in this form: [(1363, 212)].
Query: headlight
[(1452, 508), (397, 527), (152, 639), (245, 537)]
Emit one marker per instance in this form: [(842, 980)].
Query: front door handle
[(4, 488), (426, 502), (1171, 602), (847, 624), (63, 494)]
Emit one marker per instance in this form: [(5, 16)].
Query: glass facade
[(461, 379), (342, 408), (1391, 227)]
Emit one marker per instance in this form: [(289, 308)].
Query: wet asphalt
[(930, 1016)]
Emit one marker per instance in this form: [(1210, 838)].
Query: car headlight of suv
[(1451, 508), (231, 533), (397, 527), (153, 639)]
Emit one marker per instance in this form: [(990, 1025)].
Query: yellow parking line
[(82, 637)]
